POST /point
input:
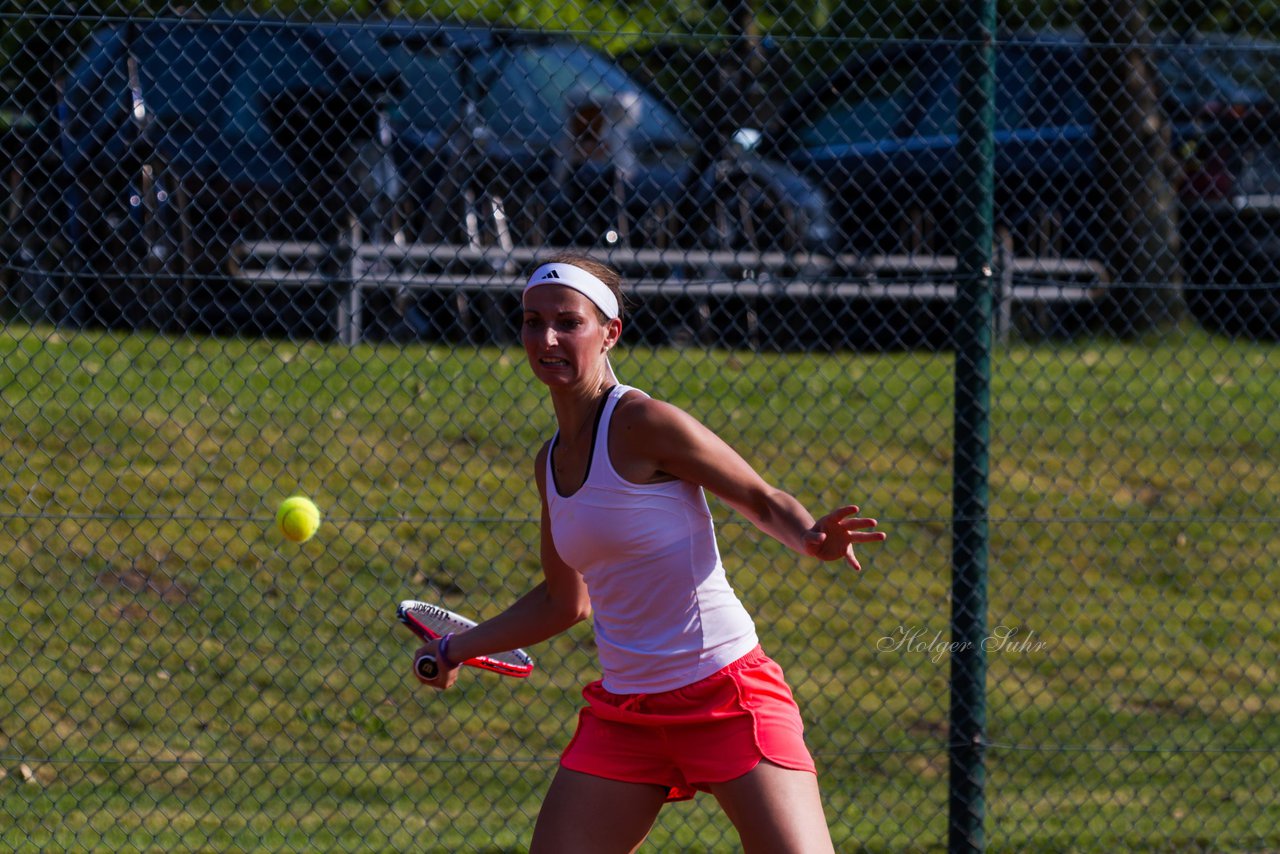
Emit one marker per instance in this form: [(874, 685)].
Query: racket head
[(431, 622)]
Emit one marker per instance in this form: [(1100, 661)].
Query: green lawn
[(177, 676)]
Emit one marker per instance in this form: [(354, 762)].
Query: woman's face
[(563, 336)]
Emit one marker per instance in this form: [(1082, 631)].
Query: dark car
[(1230, 227), (881, 136), (1230, 189), (194, 161)]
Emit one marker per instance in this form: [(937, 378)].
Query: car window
[(1194, 75), (279, 61), (1041, 86), (510, 104), (270, 68), (1035, 87), (180, 71), (876, 107), (429, 85), (529, 90), (433, 90), (1187, 79), (94, 92), (1254, 65)]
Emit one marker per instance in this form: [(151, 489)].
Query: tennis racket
[(431, 622)]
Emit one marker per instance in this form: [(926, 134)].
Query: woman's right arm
[(558, 602)]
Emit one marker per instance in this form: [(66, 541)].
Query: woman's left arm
[(673, 443)]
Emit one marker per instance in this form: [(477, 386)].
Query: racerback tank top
[(664, 613)]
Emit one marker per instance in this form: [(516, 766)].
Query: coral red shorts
[(712, 731)]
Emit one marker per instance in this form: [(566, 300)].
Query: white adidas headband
[(581, 281)]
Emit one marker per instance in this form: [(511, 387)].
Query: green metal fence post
[(976, 118)]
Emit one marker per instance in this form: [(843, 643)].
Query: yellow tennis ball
[(298, 518)]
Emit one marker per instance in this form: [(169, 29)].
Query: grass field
[(176, 676)]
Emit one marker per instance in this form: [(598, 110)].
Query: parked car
[(1230, 227), (1230, 189), (183, 144), (880, 136)]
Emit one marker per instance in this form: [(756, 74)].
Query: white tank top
[(664, 613)]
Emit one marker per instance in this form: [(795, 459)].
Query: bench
[(478, 277)]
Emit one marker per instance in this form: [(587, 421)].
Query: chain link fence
[(253, 251)]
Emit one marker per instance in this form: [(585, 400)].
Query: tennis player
[(688, 701)]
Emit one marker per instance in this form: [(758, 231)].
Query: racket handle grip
[(426, 666)]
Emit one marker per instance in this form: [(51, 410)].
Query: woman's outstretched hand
[(833, 536)]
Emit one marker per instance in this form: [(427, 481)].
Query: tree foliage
[(811, 36)]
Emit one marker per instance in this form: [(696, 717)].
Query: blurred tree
[(1135, 200)]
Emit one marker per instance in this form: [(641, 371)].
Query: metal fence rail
[(1017, 296)]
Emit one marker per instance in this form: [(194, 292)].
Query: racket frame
[(426, 665)]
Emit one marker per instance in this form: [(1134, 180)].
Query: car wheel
[(31, 246), (31, 286), (1226, 291), (1248, 309)]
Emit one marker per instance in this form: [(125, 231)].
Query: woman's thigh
[(594, 815), (776, 810)]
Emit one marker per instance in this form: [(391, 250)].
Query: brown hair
[(602, 271)]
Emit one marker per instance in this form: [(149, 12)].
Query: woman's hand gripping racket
[(431, 622)]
